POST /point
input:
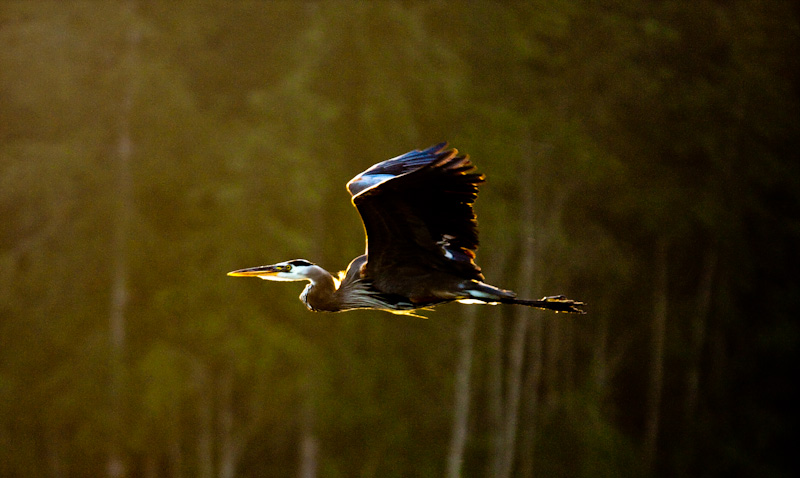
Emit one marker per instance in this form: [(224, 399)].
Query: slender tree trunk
[(205, 414), (119, 299), (229, 441), (553, 374), (532, 250), (658, 333), (551, 357), (697, 341), (458, 438), (698, 334), (495, 386), (309, 445), (600, 361), (150, 466), (116, 465), (522, 317), (533, 381), (495, 380), (516, 353), (52, 444), (175, 454)]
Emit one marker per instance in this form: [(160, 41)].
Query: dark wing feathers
[(392, 168), (406, 162), (418, 216)]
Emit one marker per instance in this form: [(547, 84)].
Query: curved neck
[(319, 294)]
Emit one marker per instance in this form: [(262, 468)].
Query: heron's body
[(421, 241)]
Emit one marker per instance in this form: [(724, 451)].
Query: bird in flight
[(422, 235)]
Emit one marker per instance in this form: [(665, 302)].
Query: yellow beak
[(258, 271)]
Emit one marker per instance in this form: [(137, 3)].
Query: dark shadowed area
[(640, 156)]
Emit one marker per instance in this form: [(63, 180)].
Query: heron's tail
[(556, 303)]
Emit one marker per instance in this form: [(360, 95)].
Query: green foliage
[(669, 122)]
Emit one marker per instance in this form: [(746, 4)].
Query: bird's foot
[(560, 303)]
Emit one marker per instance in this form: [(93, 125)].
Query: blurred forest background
[(641, 156)]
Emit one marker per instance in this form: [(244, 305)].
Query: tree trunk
[(533, 381), (495, 379), (175, 454), (495, 400), (698, 334), (513, 389), (150, 465), (309, 445), (52, 450), (522, 316), (697, 340), (458, 438), (600, 366), (553, 375), (534, 247), (658, 332), (229, 441), (551, 358), (205, 414), (116, 465)]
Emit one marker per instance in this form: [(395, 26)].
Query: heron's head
[(297, 269)]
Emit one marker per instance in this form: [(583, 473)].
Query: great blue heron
[(421, 240)]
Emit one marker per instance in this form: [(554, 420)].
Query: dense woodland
[(641, 156)]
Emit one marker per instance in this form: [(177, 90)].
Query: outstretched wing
[(418, 216)]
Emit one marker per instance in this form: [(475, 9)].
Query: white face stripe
[(297, 273), (281, 277)]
